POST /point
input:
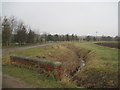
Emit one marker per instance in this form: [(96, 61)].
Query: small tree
[(31, 37), (117, 38), (49, 37), (76, 37), (67, 37), (73, 37), (56, 37), (88, 38), (94, 38), (21, 34)]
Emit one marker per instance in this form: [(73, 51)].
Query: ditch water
[(78, 69), (82, 64)]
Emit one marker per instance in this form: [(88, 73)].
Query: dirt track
[(12, 82)]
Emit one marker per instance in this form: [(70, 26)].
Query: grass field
[(101, 68)]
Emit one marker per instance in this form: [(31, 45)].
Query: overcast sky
[(81, 18)]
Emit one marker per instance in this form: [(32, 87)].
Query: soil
[(111, 45)]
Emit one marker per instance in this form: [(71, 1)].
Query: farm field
[(100, 70), (110, 44)]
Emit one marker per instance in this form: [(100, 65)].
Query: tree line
[(101, 38), (16, 32)]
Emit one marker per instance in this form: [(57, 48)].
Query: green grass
[(33, 78), (100, 70)]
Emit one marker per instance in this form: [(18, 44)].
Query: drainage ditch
[(78, 69), (82, 58)]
